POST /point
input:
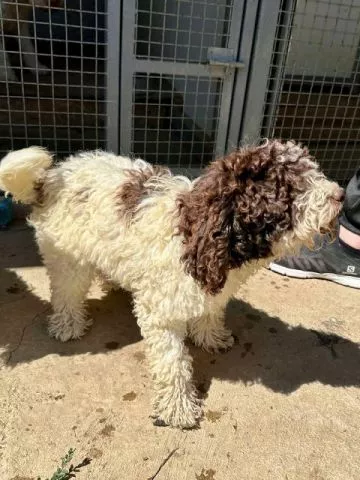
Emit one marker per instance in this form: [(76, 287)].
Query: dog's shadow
[(279, 356), (268, 351), (24, 337)]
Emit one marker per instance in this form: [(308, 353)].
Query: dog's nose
[(339, 195)]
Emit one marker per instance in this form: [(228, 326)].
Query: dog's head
[(255, 203)]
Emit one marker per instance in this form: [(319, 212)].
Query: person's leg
[(350, 218), (338, 261)]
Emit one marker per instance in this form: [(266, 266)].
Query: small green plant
[(65, 472)]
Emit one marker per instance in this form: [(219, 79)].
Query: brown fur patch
[(134, 189), (237, 209)]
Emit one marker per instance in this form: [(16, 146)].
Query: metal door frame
[(113, 54), (252, 122), (245, 52), (240, 32)]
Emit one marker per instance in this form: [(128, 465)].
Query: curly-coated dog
[(181, 247)]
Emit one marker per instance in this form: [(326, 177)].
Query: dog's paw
[(226, 345), (219, 342), (232, 340), (159, 422), (184, 414), (63, 327), (187, 423)]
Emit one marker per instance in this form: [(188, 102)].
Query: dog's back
[(113, 212)]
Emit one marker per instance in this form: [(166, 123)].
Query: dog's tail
[(21, 170)]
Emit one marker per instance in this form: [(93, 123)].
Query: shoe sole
[(344, 280)]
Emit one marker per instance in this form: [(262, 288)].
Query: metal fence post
[(113, 74), (261, 63)]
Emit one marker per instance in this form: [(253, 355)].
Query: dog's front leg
[(176, 403), (210, 332)]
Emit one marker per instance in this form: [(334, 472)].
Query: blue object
[(6, 211)]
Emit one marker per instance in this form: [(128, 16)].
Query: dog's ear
[(207, 224), (233, 213)]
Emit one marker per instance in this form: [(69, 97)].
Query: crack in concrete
[(32, 322), (163, 463)]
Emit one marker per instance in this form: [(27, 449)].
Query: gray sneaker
[(333, 261)]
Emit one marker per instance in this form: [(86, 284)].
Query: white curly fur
[(80, 233)]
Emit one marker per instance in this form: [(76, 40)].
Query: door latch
[(223, 57)]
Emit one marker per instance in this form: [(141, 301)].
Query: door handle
[(223, 57)]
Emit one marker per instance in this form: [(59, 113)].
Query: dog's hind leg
[(70, 282), (210, 332)]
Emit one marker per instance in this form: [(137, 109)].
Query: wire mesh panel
[(179, 104), (175, 118), (313, 85), (181, 31), (52, 74)]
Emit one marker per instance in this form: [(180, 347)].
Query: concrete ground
[(283, 404)]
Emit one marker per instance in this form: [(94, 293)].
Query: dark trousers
[(350, 217)]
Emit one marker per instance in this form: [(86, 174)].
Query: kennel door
[(179, 62)]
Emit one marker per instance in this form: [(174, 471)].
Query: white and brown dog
[(181, 247)]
